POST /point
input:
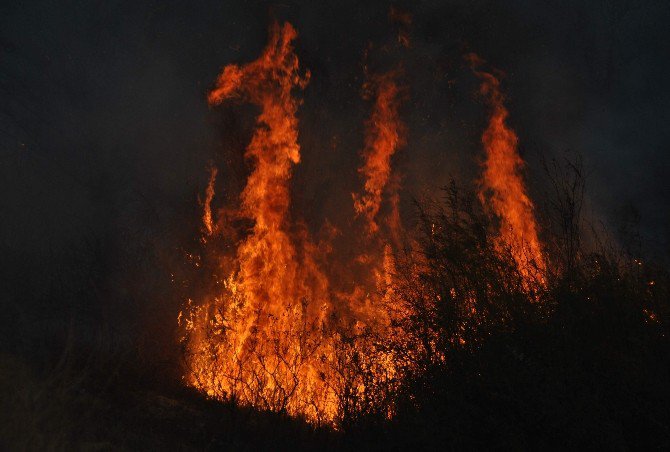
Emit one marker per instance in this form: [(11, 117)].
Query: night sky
[(104, 123)]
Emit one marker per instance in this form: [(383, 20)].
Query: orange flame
[(385, 133), (502, 185), (207, 220), (261, 339), (272, 332)]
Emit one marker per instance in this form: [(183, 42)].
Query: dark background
[(105, 134)]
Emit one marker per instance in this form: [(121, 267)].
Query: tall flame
[(275, 332), (262, 339), (385, 133), (272, 333), (502, 185)]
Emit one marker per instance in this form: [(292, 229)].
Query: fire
[(275, 334), (275, 331), (502, 185), (384, 135), (263, 339), (207, 204)]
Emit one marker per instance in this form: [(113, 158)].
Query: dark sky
[(103, 119)]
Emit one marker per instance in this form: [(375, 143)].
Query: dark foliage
[(579, 360)]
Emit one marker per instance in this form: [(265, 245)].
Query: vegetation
[(579, 359)]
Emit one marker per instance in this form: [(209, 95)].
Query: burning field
[(379, 247), (279, 328)]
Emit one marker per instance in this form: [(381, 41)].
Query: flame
[(385, 133), (274, 331), (207, 204), (262, 339), (502, 185)]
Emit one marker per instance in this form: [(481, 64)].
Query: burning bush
[(267, 326)]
